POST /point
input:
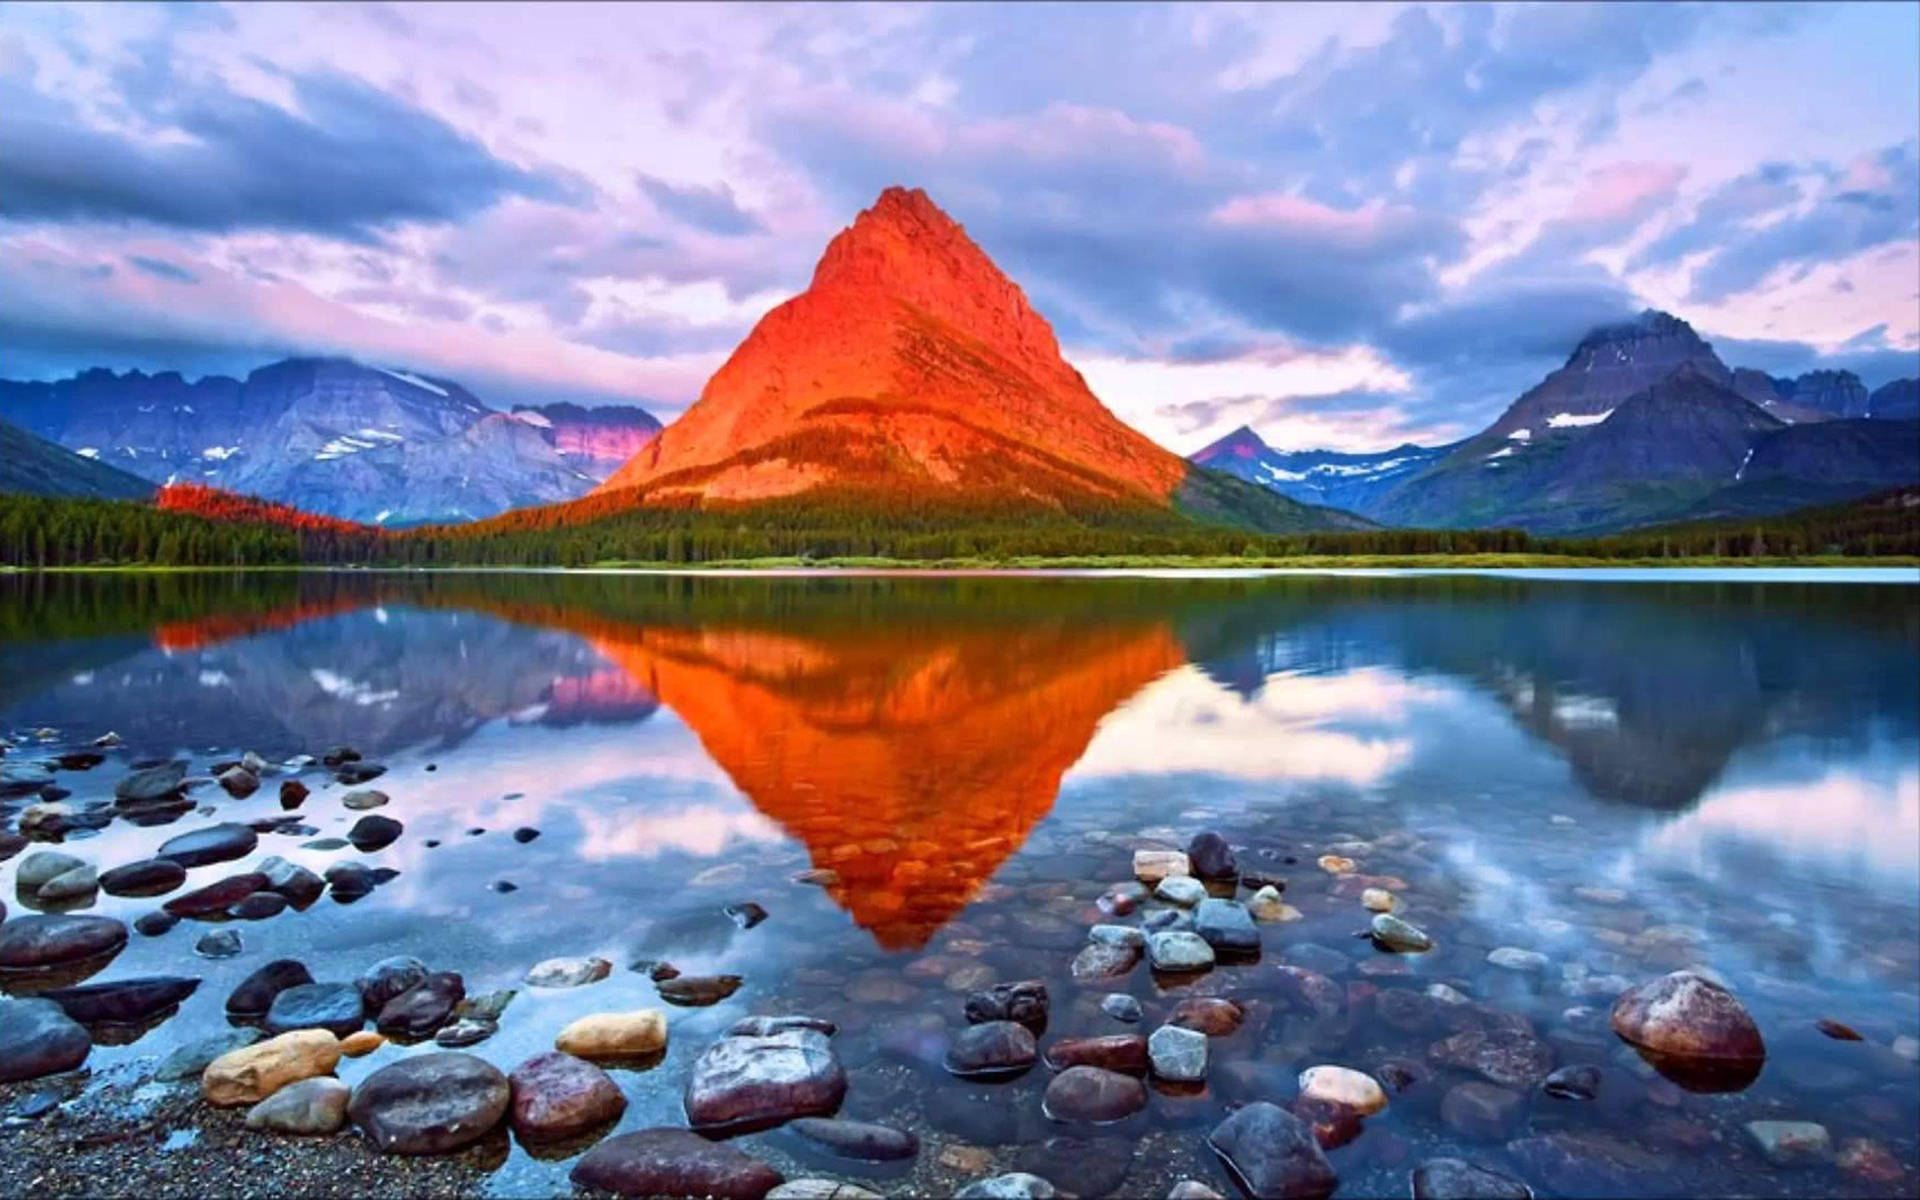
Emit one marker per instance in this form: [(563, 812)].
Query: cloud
[(710, 209), (160, 268)]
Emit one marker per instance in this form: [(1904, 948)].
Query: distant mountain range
[(328, 435), (1643, 424), (39, 467)]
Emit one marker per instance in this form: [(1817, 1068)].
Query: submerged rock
[(992, 1050), (1344, 1086), (335, 1007), (151, 784), (214, 844), (698, 991), (1179, 950), (1087, 1093), (149, 877), (1104, 960), (430, 1103), (1509, 1057), (1791, 1143), (1025, 1001), (673, 1162), (1479, 1110), (568, 972), (42, 867), (1126, 1052), (1273, 1154), (1694, 1030), (124, 1001), (217, 943), (748, 1080), (1178, 1054), (216, 897), (38, 1038), (1211, 1015), (188, 1061), (1392, 933), (557, 1096), (1121, 1008), (1457, 1179), (43, 942), (1014, 1185), (858, 1139), (1227, 927)]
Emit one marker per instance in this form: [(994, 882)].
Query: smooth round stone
[(673, 1162), (1513, 958), (1376, 899), (388, 978), (463, 1032), (1227, 926), (557, 1096), (1025, 1001), (216, 897), (1336, 864), (44, 941), (1266, 906), (1118, 935), (821, 1189), (254, 995), (1093, 1094), (76, 884), (1457, 1179), (335, 1007), (698, 991), (155, 923), (1179, 950), (214, 844), (374, 832), (123, 1001), (1211, 857), (1126, 1052), (991, 1050), (1178, 1054), (349, 881), (313, 1107), (568, 972), (430, 1103), (1273, 1153), (19, 778), (858, 1139), (218, 943), (1211, 1015), (1183, 890), (238, 782), (258, 907), (38, 1038), (1509, 1057), (604, 1036), (1791, 1143), (250, 1074), (1014, 1185), (1102, 960), (749, 1080), (293, 793), (1401, 936), (149, 877), (1482, 1110), (188, 1061), (1344, 1086), (362, 799), (352, 773), (1684, 1016), (42, 867), (361, 1044), (422, 1008), (1152, 866), (1121, 1007), (1573, 1083), (151, 783)]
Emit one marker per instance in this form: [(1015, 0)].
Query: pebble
[(464, 1031), (1513, 958), (1377, 900), (314, 1107), (1122, 898), (422, 1008), (1791, 1143), (374, 832), (300, 886), (239, 782), (388, 978), (1397, 935), (188, 1061), (992, 1050), (1121, 1007), (698, 991), (1179, 950), (149, 877), (1192, 1189), (430, 1103), (1457, 1179), (672, 1162), (1152, 866), (1273, 1153), (1025, 1001), (219, 943), (1088, 1093), (1117, 935), (1014, 1185), (1335, 864), (250, 1074), (1211, 1015), (214, 844), (1226, 926), (293, 793), (77, 884), (38, 1038), (858, 1139), (1693, 1025), (1125, 1052), (615, 1035), (1580, 1082), (362, 1043), (1103, 960), (1178, 1054), (1266, 905), (768, 1070), (1210, 857), (557, 1096), (42, 867), (1344, 1086), (336, 1007), (1838, 1031), (155, 923), (568, 972), (362, 799), (1183, 890)]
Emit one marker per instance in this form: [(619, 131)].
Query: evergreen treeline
[(45, 532)]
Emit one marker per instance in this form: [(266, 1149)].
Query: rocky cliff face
[(595, 441), (1831, 393), (329, 436)]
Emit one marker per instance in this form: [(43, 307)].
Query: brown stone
[(558, 1096)]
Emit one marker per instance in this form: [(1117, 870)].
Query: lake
[(1572, 783)]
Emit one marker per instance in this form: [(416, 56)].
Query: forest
[(39, 532)]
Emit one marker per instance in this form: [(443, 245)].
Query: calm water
[(1628, 776)]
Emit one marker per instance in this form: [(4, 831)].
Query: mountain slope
[(912, 370), (40, 468), (330, 436), (595, 441), (1896, 401), (1333, 478)]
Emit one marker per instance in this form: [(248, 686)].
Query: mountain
[(913, 373), (41, 468), (1832, 393), (328, 435), (1896, 401), (596, 441), (1332, 478)]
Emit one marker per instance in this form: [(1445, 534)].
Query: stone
[(1024, 1000), (42, 867), (1087, 1093), (1178, 950), (430, 1103), (1152, 866), (218, 943), (858, 1139), (673, 1162), (1791, 1143), (388, 978), (991, 1050), (254, 995), (1693, 1028), (821, 1189), (315, 1107), (1266, 905), (124, 1001), (362, 1043), (19, 778), (698, 991), (464, 1031), (352, 773), (557, 1096), (1192, 1189), (45, 941), (1014, 1185), (77, 884), (238, 782), (753, 1080), (155, 923), (1481, 1110), (1336, 864), (216, 897), (1587, 1164), (1103, 960), (1376, 899), (1211, 858), (1513, 958), (151, 784), (1573, 1083), (568, 972), (1177, 1054), (250, 1074), (1838, 1031), (258, 907), (1391, 933), (1866, 1159), (1211, 1015), (1183, 890), (1118, 935), (214, 844), (149, 877), (1166, 918), (349, 881), (188, 1061), (1122, 898), (525, 834), (1273, 1154), (300, 886), (422, 1008), (338, 755), (374, 832), (604, 1036), (1509, 1057), (336, 1007), (293, 794), (1344, 1086), (38, 1038), (488, 1006), (1121, 1007), (1125, 1052), (1457, 1179), (745, 915), (1227, 926), (362, 799)]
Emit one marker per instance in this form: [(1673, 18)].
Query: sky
[(1345, 225)]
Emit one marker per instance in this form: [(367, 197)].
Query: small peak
[(1241, 443)]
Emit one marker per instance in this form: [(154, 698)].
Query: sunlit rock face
[(911, 763), (910, 362)]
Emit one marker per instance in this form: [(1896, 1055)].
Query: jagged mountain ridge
[(331, 436), (1334, 478), (38, 467)]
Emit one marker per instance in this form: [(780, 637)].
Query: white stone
[(1178, 1054), (1151, 866), (1356, 1090)]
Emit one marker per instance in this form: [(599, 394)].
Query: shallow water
[(1627, 775)]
